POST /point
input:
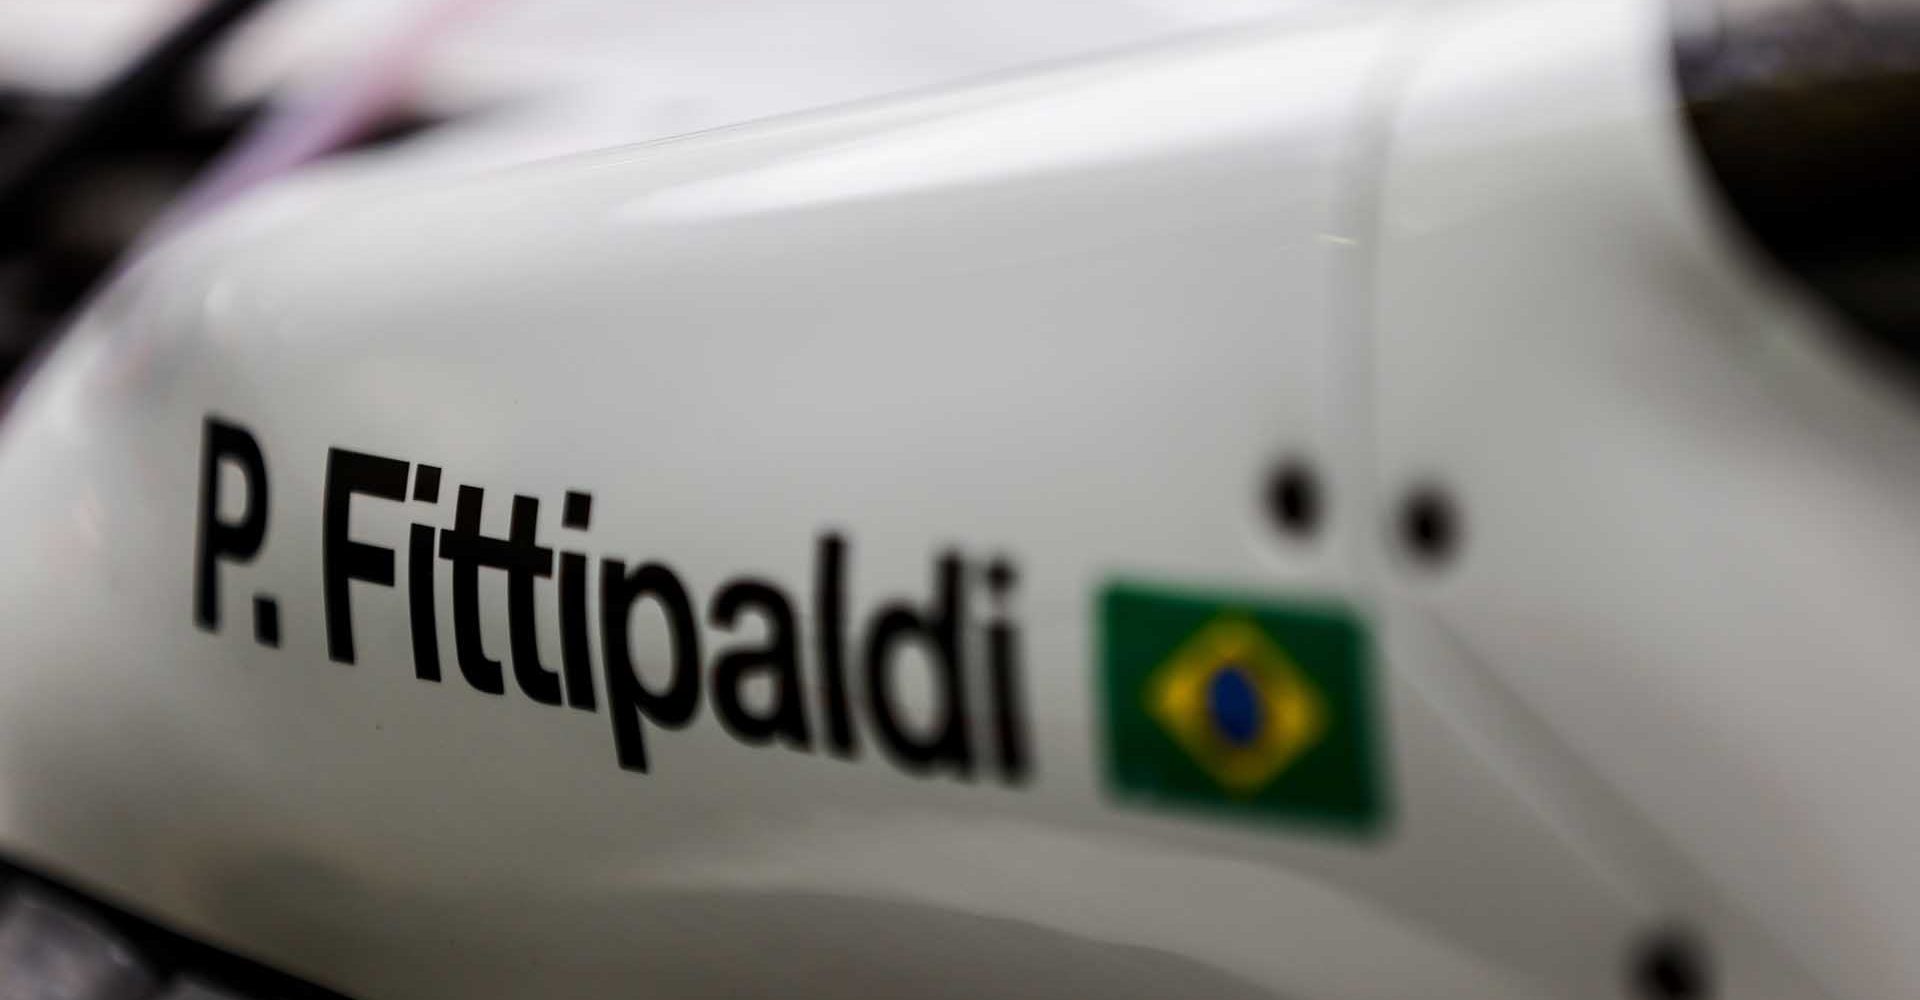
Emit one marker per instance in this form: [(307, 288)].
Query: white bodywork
[(1072, 318)]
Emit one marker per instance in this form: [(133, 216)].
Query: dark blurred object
[(49, 951), (83, 179), (143, 100), (1807, 114), (56, 943), (87, 209), (86, 177)]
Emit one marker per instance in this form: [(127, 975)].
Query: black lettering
[(239, 540), (266, 621), (468, 550), (627, 698), (574, 658), (426, 483), (527, 559), (343, 559), (1009, 716), (830, 629), (424, 623), (948, 743), (778, 658), (575, 514)]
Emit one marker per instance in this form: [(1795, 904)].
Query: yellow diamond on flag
[(1237, 704)]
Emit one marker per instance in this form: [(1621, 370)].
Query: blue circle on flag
[(1234, 704)]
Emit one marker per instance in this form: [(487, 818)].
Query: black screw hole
[(1294, 500), (1430, 526), (1672, 965)]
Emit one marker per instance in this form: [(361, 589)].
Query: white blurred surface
[(744, 56)]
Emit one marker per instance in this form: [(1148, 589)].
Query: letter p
[(238, 540)]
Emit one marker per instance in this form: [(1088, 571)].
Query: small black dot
[(426, 483), (578, 510), (1671, 965), (1293, 498), (266, 621), (1430, 526)]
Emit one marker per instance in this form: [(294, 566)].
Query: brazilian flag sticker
[(1254, 708)]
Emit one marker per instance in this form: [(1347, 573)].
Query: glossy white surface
[(1068, 317), (1693, 529)]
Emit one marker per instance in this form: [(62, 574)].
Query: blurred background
[(122, 119)]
